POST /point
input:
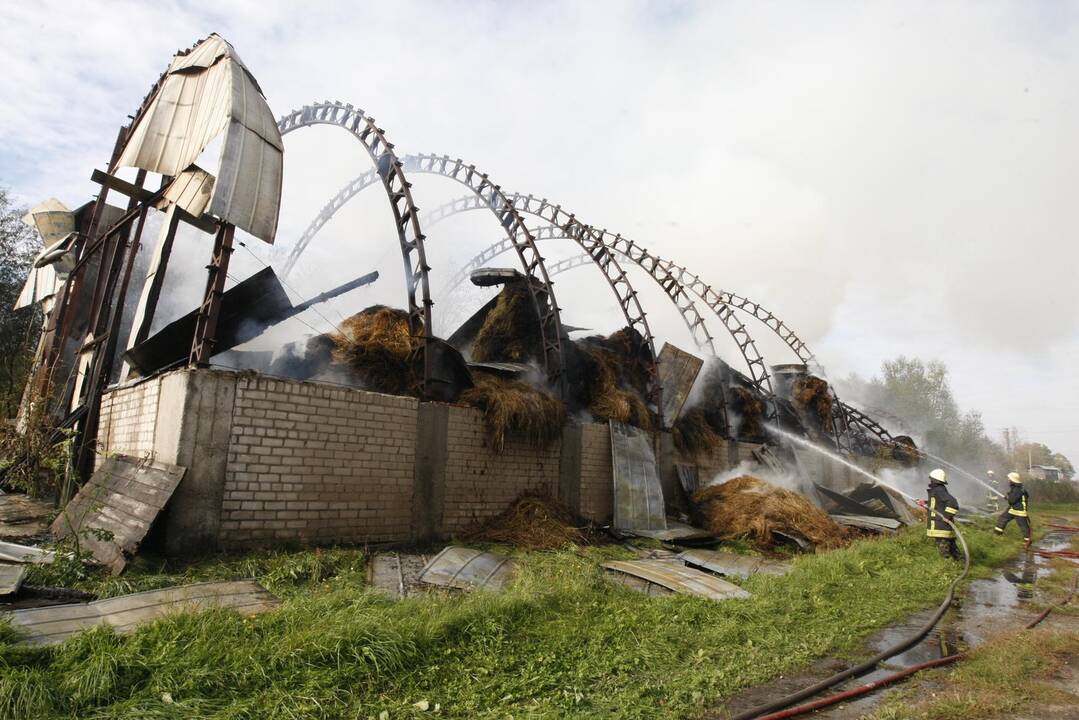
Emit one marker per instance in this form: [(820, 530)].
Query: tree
[(18, 328)]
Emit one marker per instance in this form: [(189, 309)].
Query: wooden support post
[(202, 345)]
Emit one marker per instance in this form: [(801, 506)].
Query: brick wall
[(597, 483), (480, 483), (317, 463), (129, 418)]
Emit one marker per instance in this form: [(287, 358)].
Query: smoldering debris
[(510, 331), (693, 435), (749, 507), (812, 400)]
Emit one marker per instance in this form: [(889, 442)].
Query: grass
[(560, 642), (1008, 675)]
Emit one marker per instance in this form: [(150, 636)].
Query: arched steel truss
[(406, 216), (672, 277), (511, 221)]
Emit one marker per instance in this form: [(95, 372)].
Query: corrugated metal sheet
[(675, 531), (49, 625), (124, 497), (207, 91), (674, 575), (689, 477), (868, 522), (10, 552), (467, 568), (678, 370), (190, 190), (726, 563), (48, 273), (52, 219), (11, 578), (638, 497)]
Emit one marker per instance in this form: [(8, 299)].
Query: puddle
[(988, 605)]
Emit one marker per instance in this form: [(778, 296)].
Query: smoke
[(788, 480)]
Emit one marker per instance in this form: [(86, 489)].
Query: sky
[(888, 177)]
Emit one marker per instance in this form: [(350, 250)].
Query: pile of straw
[(511, 331), (750, 507), (535, 521), (616, 379), (515, 409), (376, 346), (813, 402), (693, 434)]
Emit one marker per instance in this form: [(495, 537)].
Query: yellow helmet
[(1014, 478), (939, 475)]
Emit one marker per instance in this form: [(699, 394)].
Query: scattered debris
[(10, 552), (467, 569), (22, 516), (396, 573), (675, 577), (750, 507), (11, 577), (689, 477), (54, 624), (733, 565), (535, 521), (868, 522), (112, 513), (866, 500), (676, 532), (678, 371), (638, 496)]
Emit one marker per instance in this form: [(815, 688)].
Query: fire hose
[(762, 712), (774, 711)]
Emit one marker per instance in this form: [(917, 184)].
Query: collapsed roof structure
[(82, 278)]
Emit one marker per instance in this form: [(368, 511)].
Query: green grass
[(560, 642), (1008, 675)]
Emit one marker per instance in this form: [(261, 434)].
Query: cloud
[(889, 178)]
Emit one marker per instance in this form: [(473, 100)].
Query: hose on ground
[(896, 677), (872, 662)]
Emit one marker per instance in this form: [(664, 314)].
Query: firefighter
[(1017, 508), (942, 505)]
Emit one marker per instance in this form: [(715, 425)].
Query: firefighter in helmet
[(941, 505), (1017, 507)]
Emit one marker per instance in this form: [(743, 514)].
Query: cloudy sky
[(890, 178)]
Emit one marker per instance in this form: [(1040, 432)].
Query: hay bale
[(516, 409), (813, 402), (750, 507), (749, 408), (511, 330), (534, 521), (376, 346), (693, 435)]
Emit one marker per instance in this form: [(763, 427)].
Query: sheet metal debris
[(733, 565), (12, 553), (23, 517), (11, 578), (56, 623), (190, 191), (638, 497), (868, 522), (52, 219), (675, 576), (467, 569), (678, 370), (674, 532), (689, 477), (205, 91), (123, 497)]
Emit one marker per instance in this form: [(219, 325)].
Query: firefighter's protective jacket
[(1017, 500), (940, 501)]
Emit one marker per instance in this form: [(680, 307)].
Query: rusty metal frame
[(522, 242), (205, 336), (398, 190)]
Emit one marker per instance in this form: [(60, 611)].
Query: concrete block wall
[(480, 483), (317, 464)]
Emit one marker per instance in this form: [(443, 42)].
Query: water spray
[(961, 471), (837, 458)]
